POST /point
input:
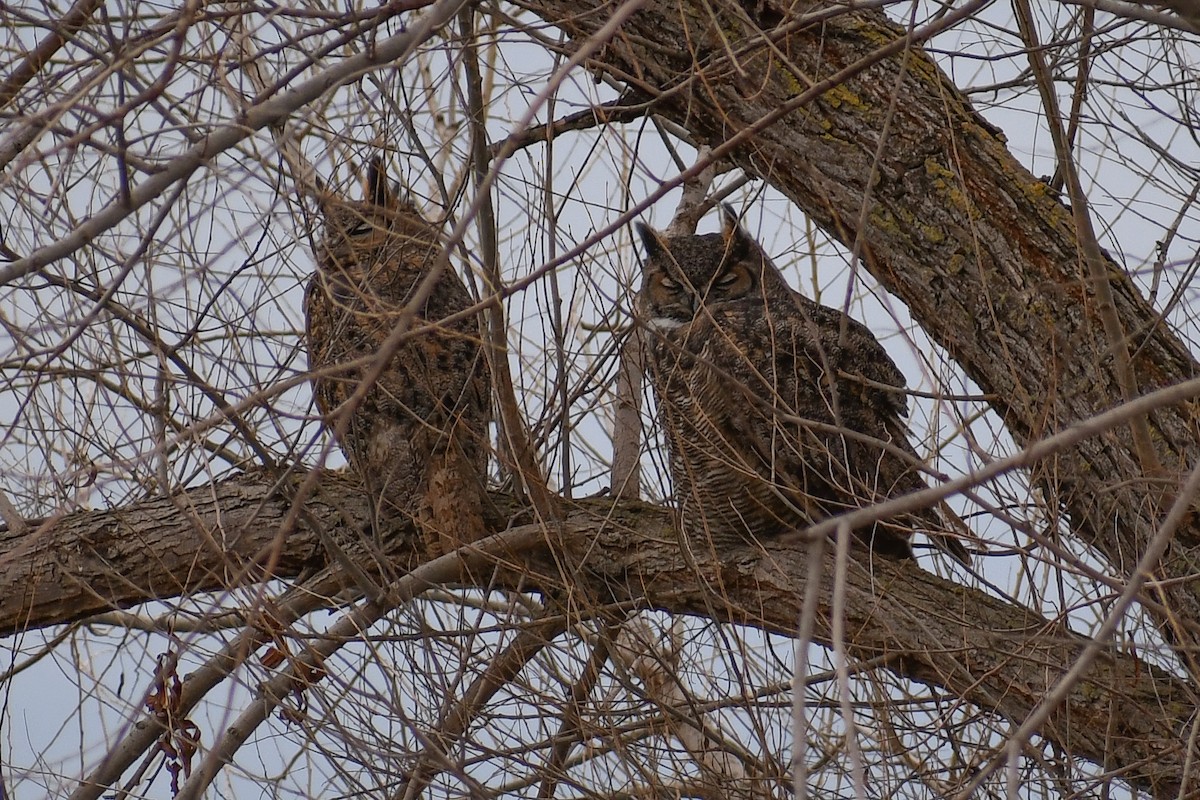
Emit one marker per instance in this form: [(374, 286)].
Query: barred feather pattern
[(418, 436), (778, 412)]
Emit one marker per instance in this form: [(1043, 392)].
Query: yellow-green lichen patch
[(884, 221), (903, 224), (841, 96), (933, 234), (1043, 197), (923, 68), (948, 186), (871, 31), (790, 83), (934, 169), (1035, 190)]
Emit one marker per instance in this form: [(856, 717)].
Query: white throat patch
[(664, 323)]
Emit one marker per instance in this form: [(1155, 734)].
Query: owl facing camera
[(778, 412)]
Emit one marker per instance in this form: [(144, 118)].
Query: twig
[(561, 389), (447, 568), (1164, 247), (1098, 265), (604, 114), (296, 602), (837, 625), (514, 435), (270, 112), (626, 476), (691, 202), (801, 677), (1097, 642), (241, 52), (1080, 431), (1078, 95), (502, 669), (74, 20), (572, 725), (1132, 11), (654, 659), (168, 623)]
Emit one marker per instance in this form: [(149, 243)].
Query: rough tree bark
[(1126, 715)]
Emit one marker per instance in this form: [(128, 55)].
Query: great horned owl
[(743, 366), (418, 435)]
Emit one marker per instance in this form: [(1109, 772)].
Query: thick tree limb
[(1125, 714)]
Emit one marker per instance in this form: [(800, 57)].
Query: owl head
[(683, 274), (356, 232)]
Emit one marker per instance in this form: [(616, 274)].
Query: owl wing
[(437, 391), (811, 365), (859, 355), (880, 413), (333, 335)]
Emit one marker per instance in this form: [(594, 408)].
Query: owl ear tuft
[(326, 199), (651, 239), (737, 240), (379, 190)]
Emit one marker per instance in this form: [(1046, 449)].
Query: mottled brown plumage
[(418, 436), (742, 366)]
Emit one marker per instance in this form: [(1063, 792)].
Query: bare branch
[(272, 111), (75, 18)]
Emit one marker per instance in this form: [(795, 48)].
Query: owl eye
[(667, 283), (729, 278), (358, 229)]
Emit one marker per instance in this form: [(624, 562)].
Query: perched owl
[(743, 367), (418, 436)]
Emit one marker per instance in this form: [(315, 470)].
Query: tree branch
[(1124, 714), (272, 111)]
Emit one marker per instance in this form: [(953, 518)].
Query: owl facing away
[(418, 436), (742, 367)]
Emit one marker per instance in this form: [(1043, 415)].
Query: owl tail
[(954, 544), (451, 506)]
